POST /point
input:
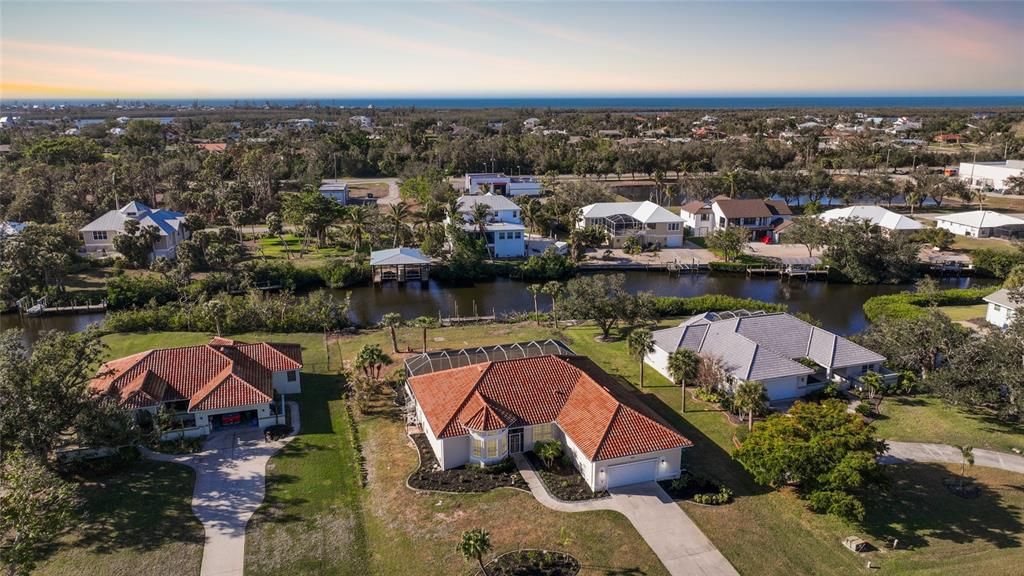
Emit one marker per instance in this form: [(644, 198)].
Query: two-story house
[(646, 220), (98, 235), (699, 217), (760, 217), (504, 230)]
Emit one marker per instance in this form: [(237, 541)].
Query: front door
[(515, 440)]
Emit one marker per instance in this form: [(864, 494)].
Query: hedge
[(909, 305), (995, 263), (677, 306)]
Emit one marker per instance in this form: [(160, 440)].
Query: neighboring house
[(10, 228), (480, 413), (646, 220), (990, 175), (768, 348), (887, 220), (699, 217), (982, 224), (363, 122), (334, 189), (505, 233), (399, 264), (760, 217), (206, 387), (98, 235), (501, 185), (216, 147), (1001, 310), (531, 123)]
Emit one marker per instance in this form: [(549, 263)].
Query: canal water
[(837, 306)]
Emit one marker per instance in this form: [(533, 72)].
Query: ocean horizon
[(571, 102)]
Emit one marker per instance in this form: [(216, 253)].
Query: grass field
[(135, 522), (970, 244), (317, 520), (290, 247), (927, 419), (963, 313)]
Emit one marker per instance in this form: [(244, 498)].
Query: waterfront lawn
[(969, 244), (291, 246), (929, 419), (138, 521), (965, 313)]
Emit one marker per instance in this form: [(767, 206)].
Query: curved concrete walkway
[(674, 538), (902, 452), (230, 485)]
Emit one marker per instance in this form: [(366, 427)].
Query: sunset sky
[(351, 49)]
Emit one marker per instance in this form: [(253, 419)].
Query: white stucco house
[(480, 412), (645, 220), (887, 220), (98, 235), (990, 175), (220, 384), (982, 224), (501, 185), (770, 348), (759, 217), (504, 230), (698, 217), (1001, 309)]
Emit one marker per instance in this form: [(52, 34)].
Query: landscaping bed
[(533, 563), (429, 476), (563, 481), (697, 489)]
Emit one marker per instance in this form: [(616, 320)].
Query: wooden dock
[(72, 309), (789, 272), (458, 320)]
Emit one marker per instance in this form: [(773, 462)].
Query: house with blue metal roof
[(98, 235)]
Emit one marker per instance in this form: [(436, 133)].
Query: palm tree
[(730, 178), (750, 397), (966, 459), (683, 365), (474, 544), (371, 360), (532, 212), (392, 320), (481, 213), (397, 215), (357, 219), (641, 343), (553, 289), (534, 290), (424, 322)]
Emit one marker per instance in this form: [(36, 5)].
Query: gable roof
[(694, 207), (570, 390), (400, 255), (1002, 298), (763, 346), (981, 219), (876, 215), (752, 208), (221, 374), (647, 212), (166, 221)]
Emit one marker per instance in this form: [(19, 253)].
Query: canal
[(837, 306)]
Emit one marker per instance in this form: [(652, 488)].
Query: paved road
[(903, 452), (674, 538), (230, 485)]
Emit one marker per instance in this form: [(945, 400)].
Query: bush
[(103, 465), (864, 409), (127, 291), (712, 396), (678, 306), (995, 263), (340, 274), (910, 305), (723, 496), (277, 431), (548, 266)]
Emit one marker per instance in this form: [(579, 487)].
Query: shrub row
[(909, 305), (995, 263), (678, 306)]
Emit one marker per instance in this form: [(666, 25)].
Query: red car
[(229, 419)]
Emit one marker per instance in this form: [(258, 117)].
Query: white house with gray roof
[(504, 230), (770, 348), (1001, 309), (98, 235), (646, 220)]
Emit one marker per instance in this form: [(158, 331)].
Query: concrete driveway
[(230, 485), (680, 545), (902, 452)]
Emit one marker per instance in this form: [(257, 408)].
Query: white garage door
[(632, 473), (674, 241)]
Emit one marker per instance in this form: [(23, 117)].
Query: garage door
[(674, 241), (632, 473)]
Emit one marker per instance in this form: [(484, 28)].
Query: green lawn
[(135, 522), (964, 313), (969, 244), (317, 520), (291, 248), (928, 419)]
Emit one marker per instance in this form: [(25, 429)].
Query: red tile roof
[(588, 405), (222, 374)]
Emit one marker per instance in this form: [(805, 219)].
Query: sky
[(262, 49)]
